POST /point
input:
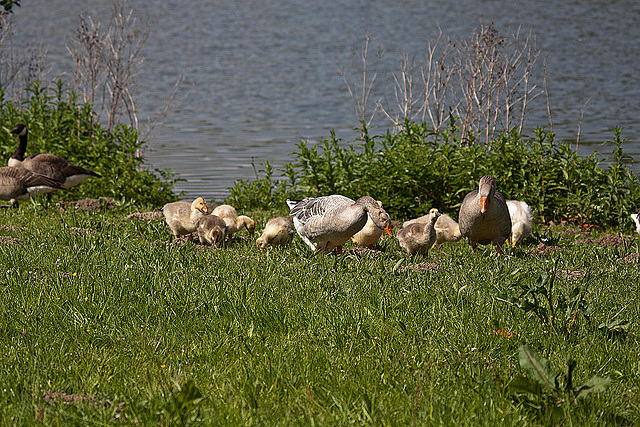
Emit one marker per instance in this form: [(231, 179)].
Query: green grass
[(135, 330)]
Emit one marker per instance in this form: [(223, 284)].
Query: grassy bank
[(104, 320)]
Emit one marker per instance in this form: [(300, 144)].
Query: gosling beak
[(387, 229), (483, 204)]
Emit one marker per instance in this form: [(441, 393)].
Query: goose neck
[(22, 148)]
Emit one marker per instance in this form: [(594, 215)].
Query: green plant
[(416, 168), (544, 392), (550, 306), (7, 7), (59, 124), (262, 193), (182, 407)]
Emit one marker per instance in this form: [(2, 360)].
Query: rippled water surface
[(260, 76)]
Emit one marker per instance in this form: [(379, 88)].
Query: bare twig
[(582, 110), (361, 90), (151, 129), (19, 69), (485, 81), (107, 64), (546, 92)]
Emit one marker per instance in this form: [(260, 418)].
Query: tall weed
[(416, 168), (59, 124)]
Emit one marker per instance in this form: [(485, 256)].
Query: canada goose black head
[(18, 156), (20, 130)]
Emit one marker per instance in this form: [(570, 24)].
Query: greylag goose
[(484, 216), (418, 237), (327, 222), (278, 232), (521, 220), (370, 233), (234, 222), (47, 164), (447, 229), (182, 217), (18, 184), (212, 230)]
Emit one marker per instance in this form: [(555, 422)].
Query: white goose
[(521, 220), (327, 222), (182, 217), (47, 164)]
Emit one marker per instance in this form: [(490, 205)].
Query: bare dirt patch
[(54, 397), (633, 258), (542, 250), (11, 227), (421, 267), (8, 240), (145, 215), (88, 205), (572, 274), (362, 251), (608, 240)]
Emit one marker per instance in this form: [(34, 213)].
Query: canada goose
[(484, 216), (18, 184), (635, 218), (47, 164), (212, 230), (447, 229), (234, 222), (369, 234), (521, 220), (278, 232), (418, 237), (182, 217), (328, 222)]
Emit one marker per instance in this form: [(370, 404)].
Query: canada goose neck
[(22, 148)]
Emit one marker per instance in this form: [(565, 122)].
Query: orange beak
[(483, 204), (387, 229)]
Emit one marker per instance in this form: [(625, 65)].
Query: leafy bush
[(263, 192), (58, 124), (417, 169)]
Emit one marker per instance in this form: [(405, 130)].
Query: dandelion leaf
[(522, 384), (536, 366), (595, 385)]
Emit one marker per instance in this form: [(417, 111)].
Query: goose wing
[(28, 178), (321, 218), (315, 208), (52, 162)]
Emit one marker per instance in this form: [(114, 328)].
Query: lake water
[(260, 76)]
